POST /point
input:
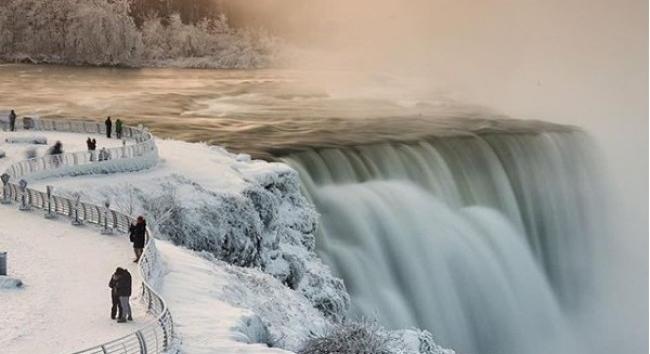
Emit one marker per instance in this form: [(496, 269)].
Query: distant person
[(116, 308), (104, 154), (137, 233), (92, 144), (118, 129), (109, 127), (12, 121), (124, 292), (55, 151)]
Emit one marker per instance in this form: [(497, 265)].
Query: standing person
[(55, 151), (118, 129), (12, 121), (89, 143), (109, 126), (124, 292), (116, 308), (92, 145), (137, 236)]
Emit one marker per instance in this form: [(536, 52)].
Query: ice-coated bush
[(350, 338), (367, 337)]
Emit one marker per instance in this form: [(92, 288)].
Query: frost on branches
[(102, 32)]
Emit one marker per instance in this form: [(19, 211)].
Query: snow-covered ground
[(64, 303)]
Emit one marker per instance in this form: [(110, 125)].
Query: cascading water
[(484, 239)]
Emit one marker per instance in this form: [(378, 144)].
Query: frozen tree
[(104, 32)]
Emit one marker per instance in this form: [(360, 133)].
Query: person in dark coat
[(118, 129), (124, 292), (56, 150), (89, 143), (116, 308), (93, 145), (137, 233), (109, 126), (12, 121)]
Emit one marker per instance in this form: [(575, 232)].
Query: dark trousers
[(117, 307), (12, 125), (108, 131)]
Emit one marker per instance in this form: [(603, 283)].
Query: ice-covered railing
[(129, 157), (155, 336)]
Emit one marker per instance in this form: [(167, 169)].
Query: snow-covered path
[(64, 304)]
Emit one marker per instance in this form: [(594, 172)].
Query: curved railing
[(132, 157), (156, 335)]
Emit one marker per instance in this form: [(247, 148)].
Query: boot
[(121, 320)]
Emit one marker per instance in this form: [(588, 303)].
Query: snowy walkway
[(64, 305), (65, 302)]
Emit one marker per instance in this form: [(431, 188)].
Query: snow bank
[(220, 308), (38, 140), (7, 282)]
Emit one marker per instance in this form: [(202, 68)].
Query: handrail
[(155, 336)]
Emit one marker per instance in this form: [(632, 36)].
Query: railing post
[(5, 189), (24, 206), (106, 230), (49, 214), (77, 199)]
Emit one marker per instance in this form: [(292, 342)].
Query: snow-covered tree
[(103, 32)]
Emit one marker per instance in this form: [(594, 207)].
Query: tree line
[(128, 33)]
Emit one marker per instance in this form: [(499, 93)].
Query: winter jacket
[(124, 283), (113, 284), (118, 126), (137, 234), (56, 149)]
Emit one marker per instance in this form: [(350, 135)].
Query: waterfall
[(486, 240)]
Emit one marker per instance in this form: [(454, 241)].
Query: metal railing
[(116, 159), (155, 336)]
